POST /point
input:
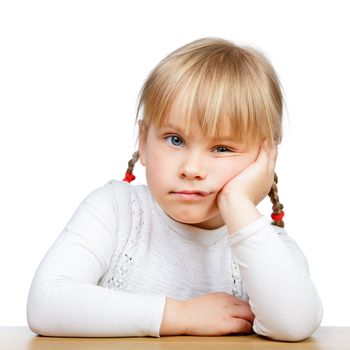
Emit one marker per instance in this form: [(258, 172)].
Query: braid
[(132, 161), (276, 205), (129, 175)]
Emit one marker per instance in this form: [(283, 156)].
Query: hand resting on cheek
[(254, 182)]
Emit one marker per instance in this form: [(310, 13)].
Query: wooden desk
[(21, 338)]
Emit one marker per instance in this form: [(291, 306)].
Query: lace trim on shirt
[(238, 289), (123, 260)]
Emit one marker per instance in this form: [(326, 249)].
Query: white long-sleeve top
[(120, 255)]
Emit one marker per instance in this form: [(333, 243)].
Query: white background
[(70, 73)]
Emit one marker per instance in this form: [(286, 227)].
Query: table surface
[(21, 338)]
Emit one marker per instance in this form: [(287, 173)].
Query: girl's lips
[(200, 193), (190, 195)]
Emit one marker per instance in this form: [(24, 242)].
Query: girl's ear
[(142, 142)]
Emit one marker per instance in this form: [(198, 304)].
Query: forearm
[(64, 308), (281, 293), (173, 322)]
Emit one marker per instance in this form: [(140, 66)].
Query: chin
[(186, 219), (193, 214), (203, 223)]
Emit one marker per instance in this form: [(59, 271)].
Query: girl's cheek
[(223, 174), (236, 167), (233, 169)]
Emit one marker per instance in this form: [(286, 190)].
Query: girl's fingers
[(239, 325), (237, 301), (271, 149), (263, 155), (273, 156), (274, 153), (268, 154), (271, 152), (243, 312)]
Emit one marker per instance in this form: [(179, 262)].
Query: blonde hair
[(228, 88)]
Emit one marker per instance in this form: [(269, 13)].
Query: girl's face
[(176, 163)]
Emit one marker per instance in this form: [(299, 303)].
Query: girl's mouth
[(190, 195)]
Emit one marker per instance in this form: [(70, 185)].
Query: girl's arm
[(64, 299), (273, 268), (276, 277)]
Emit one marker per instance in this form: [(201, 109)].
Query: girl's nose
[(192, 168)]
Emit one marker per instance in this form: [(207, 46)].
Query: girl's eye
[(223, 149), (175, 140)]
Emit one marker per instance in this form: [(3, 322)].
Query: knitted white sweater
[(110, 270)]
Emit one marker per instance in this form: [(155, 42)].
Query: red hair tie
[(277, 217), (129, 177)]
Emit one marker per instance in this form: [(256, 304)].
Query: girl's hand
[(217, 314), (254, 182)]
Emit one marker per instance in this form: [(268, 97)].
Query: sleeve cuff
[(157, 309)]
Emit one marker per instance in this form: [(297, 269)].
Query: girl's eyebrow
[(172, 127)]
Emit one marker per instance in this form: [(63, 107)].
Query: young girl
[(189, 253)]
